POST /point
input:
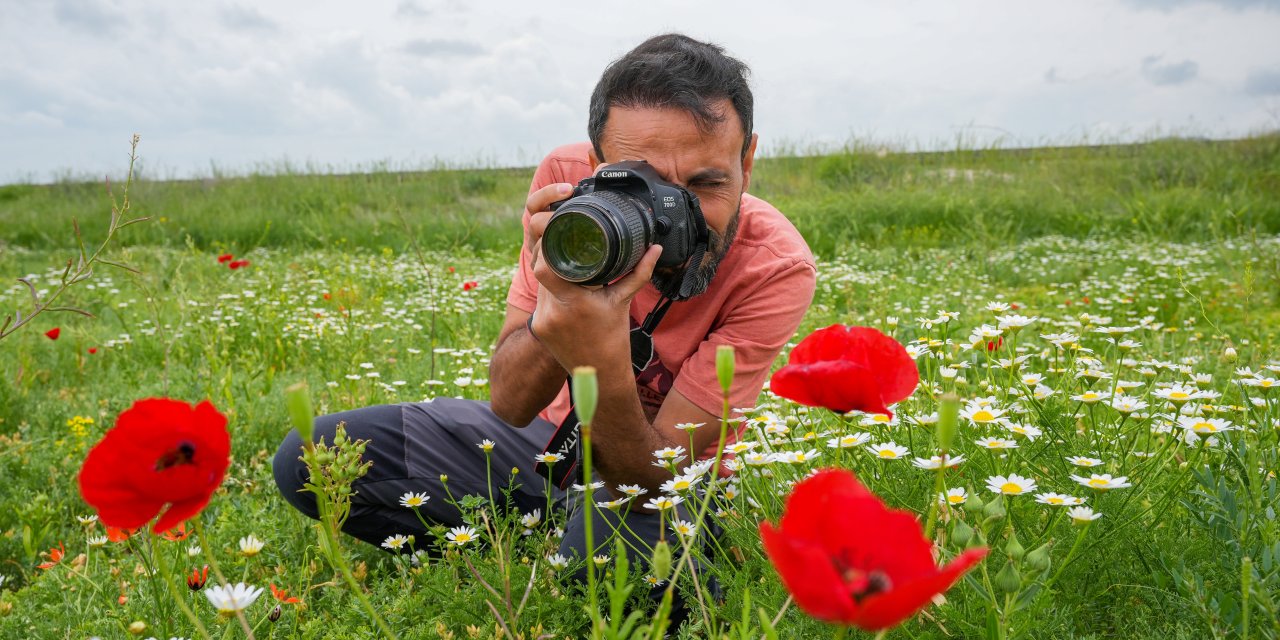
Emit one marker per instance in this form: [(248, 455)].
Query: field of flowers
[(1115, 443)]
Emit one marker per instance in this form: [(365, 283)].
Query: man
[(685, 108)]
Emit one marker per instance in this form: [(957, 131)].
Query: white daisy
[(230, 599), (1103, 482), (461, 535), (1012, 485), (414, 500)]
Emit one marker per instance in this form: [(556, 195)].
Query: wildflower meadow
[(1037, 395)]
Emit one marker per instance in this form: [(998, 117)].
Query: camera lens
[(597, 237), (576, 247)]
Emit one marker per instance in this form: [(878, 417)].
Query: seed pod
[(994, 510), (724, 367), (974, 505)]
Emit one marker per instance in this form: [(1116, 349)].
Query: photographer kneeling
[(655, 260)]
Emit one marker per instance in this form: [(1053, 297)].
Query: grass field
[(1150, 271)]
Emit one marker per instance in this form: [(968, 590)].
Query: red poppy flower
[(283, 595), (198, 578), (53, 333), (55, 556), (469, 285), (236, 264), (226, 257), (992, 345), (846, 368), (93, 350), (163, 457), (849, 559)]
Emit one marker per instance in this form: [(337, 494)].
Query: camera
[(599, 233)]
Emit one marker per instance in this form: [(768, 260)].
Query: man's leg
[(411, 446)]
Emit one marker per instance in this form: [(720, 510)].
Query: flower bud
[(962, 533), (1014, 548), (994, 509), (948, 417), (586, 393), (661, 561), (1229, 354), (1008, 580), (974, 505), (298, 401), (275, 614), (724, 367), (138, 627), (1038, 559)]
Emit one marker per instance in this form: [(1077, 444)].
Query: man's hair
[(673, 71)]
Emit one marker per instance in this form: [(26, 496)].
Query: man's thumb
[(634, 281)]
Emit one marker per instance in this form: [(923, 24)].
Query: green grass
[(1177, 239)]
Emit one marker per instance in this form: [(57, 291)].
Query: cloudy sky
[(234, 86)]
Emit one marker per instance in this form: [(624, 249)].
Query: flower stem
[(167, 578)]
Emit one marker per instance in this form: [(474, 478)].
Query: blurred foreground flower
[(163, 457), (847, 368), (849, 559), (53, 333)]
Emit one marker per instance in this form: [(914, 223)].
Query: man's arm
[(523, 375)]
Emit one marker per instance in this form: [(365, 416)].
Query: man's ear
[(749, 162), (591, 157)]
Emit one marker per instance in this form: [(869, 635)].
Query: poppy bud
[(138, 627), (1014, 548), (585, 393), (1008, 579), (974, 505), (724, 367), (275, 614), (298, 401), (948, 417), (1038, 559), (994, 509), (962, 533), (661, 562)]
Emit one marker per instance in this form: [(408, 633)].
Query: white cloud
[(238, 84)]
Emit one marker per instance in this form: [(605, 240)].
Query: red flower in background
[(163, 457), (116, 534), (55, 556), (236, 264), (469, 285), (198, 578), (283, 596), (849, 559), (93, 350), (846, 368), (992, 345), (53, 333), (226, 257)]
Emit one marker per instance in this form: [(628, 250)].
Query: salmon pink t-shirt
[(760, 292)]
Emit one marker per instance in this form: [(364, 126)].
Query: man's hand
[(581, 325)]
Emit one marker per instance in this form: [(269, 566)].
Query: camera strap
[(566, 440)]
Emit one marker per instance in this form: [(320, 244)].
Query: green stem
[(334, 555), (167, 578), (589, 504), (1070, 554)]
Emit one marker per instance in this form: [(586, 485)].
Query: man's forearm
[(523, 378), (623, 439)]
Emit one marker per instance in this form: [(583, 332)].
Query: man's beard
[(668, 279)]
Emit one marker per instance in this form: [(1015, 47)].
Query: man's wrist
[(528, 325)]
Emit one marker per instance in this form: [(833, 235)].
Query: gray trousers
[(412, 444)]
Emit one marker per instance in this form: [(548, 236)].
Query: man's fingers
[(634, 281), (541, 199)]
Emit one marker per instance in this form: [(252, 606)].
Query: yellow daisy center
[(888, 453), (1179, 395), (1011, 488), (880, 417), (1264, 383), (1098, 483), (1204, 427), (983, 416), (955, 499), (1055, 500), (1089, 396)]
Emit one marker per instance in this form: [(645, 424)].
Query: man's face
[(710, 164)]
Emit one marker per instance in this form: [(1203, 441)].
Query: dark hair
[(673, 71)]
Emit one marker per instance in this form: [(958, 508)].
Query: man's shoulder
[(568, 163), (768, 232)]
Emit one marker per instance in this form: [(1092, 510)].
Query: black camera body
[(599, 234)]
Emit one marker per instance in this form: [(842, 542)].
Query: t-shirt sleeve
[(757, 328), (523, 293)]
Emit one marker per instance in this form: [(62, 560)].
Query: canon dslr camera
[(599, 233)]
